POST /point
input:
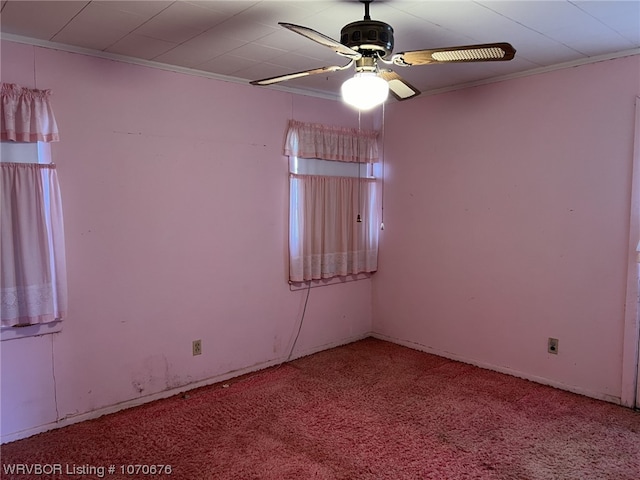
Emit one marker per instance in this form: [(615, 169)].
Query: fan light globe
[(365, 90)]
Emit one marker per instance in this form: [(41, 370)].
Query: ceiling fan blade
[(306, 73), (487, 52), (398, 86), (318, 37)]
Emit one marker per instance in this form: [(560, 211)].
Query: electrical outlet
[(552, 346), (197, 347)]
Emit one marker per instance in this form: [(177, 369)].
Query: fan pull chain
[(382, 180), (359, 218)]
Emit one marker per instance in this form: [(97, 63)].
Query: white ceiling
[(241, 40)]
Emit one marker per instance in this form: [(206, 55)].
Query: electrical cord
[(55, 383), (304, 311)]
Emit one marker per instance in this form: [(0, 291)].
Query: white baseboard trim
[(77, 418), (506, 370)]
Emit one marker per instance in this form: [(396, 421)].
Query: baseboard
[(70, 420), (501, 369), (327, 346)]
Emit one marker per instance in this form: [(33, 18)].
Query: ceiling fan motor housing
[(368, 35)]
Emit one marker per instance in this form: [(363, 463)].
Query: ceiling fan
[(368, 44)]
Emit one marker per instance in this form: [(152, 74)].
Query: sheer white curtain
[(325, 237), (33, 276), (326, 240)]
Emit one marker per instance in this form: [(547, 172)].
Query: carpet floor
[(367, 410)]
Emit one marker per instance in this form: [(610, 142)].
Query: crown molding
[(158, 65), (537, 71), (300, 91)]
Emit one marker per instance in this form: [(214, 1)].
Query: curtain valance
[(26, 115), (310, 140)]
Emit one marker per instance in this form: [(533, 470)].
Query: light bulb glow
[(365, 90)]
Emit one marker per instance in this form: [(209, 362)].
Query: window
[(333, 209), (32, 280), (25, 152), (32, 258)]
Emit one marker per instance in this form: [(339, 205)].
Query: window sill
[(13, 333), (325, 282)]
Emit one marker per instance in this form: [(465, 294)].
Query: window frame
[(361, 171), (32, 152)]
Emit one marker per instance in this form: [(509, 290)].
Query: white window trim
[(13, 333), (330, 168)]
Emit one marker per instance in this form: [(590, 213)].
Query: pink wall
[(506, 222), (175, 197), (507, 213)]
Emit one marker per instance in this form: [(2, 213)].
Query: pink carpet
[(368, 410)]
